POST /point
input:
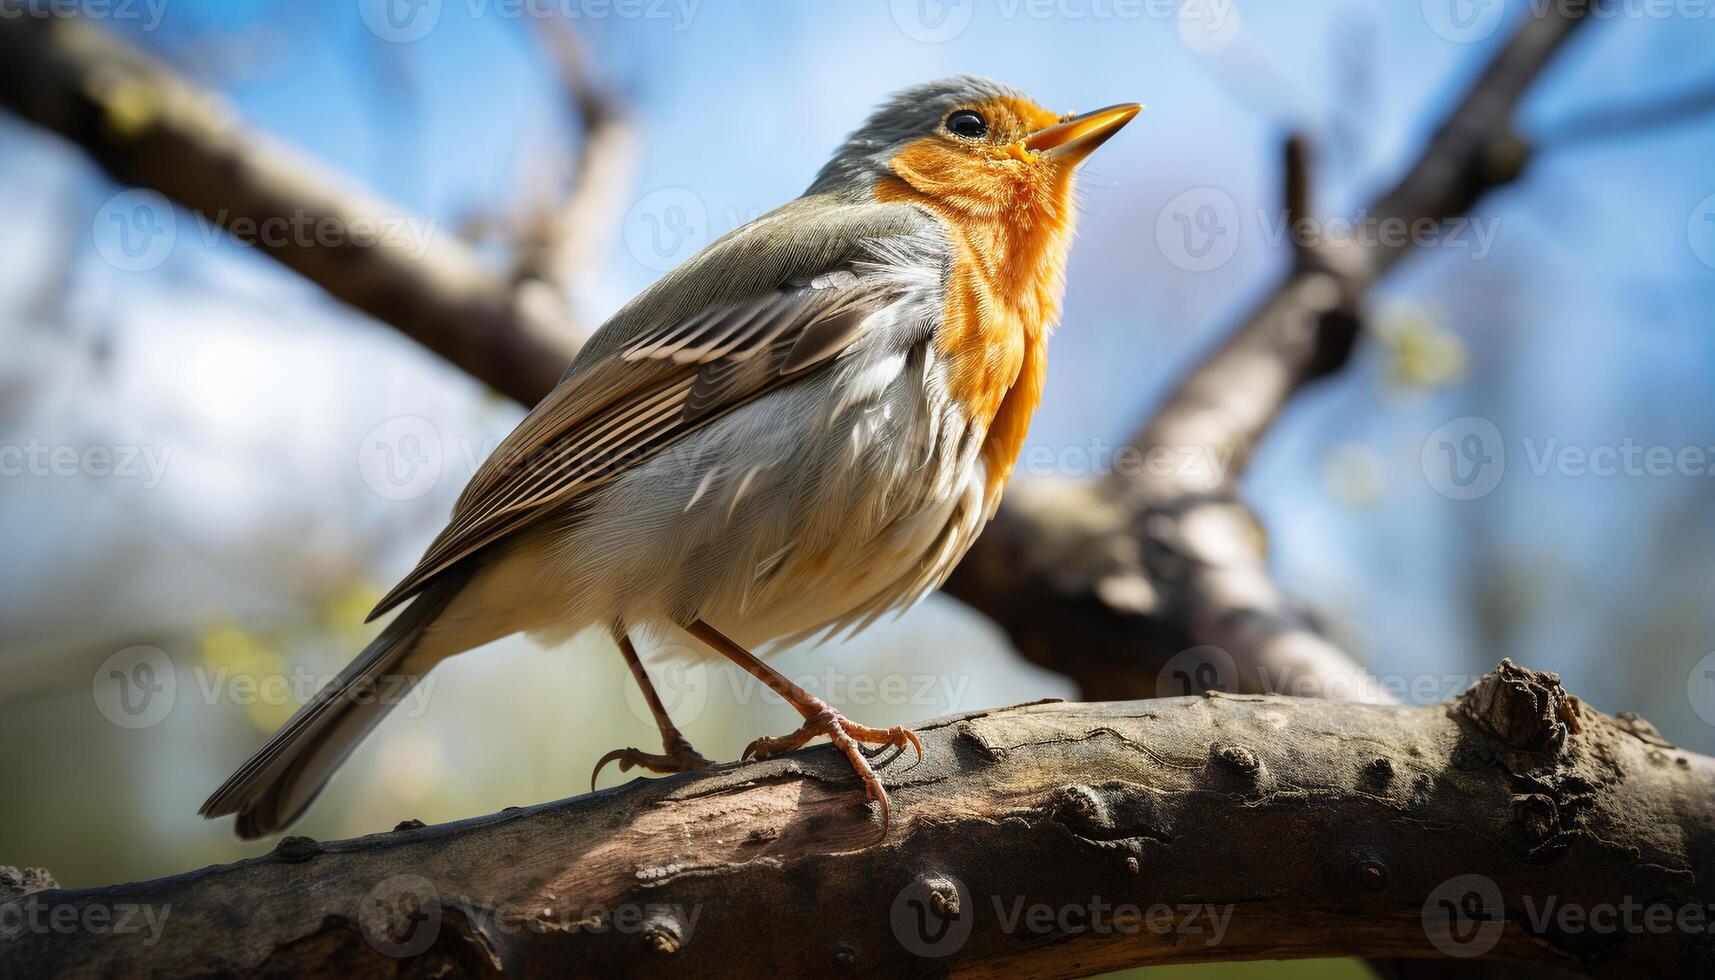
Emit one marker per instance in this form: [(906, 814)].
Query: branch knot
[(1526, 710), (18, 882)]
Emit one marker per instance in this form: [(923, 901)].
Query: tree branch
[(1140, 583), (146, 126), (1193, 829), (562, 239), (1612, 122)]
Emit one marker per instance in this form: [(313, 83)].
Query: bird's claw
[(849, 737), (826, 722), (678, 757)]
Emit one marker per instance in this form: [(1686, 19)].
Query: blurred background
[(210, 467)]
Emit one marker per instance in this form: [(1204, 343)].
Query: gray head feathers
[(906, 115)]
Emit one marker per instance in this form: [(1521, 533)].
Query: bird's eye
[(967, 124)]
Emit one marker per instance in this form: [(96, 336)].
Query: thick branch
[(1237, 827)]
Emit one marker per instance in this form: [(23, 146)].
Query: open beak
[(1076, 138)]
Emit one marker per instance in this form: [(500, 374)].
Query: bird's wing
[(765, 305)]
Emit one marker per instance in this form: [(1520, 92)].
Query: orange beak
[(1071, 141)]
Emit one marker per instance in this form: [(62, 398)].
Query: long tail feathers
[(280, 781)]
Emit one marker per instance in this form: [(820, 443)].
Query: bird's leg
[(819, 718), (677, 754)]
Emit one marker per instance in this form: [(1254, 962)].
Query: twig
[(1613, 122), (564, 239)]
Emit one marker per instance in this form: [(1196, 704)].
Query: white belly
[(823, 504)]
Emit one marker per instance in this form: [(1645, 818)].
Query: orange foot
[(677, 757), (823, 720)]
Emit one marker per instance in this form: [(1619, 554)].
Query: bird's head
[(970, 146)]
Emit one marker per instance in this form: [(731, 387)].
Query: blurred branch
[(1305, 329), (1613, 122), (147, 126), (1134, 583), (562, 239), (1295, 180), (1254, 827)]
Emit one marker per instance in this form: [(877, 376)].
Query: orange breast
[(1002, 297), (996, 353)]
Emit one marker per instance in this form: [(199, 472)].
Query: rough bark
[(1236, 827)]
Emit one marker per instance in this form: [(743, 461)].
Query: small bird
[(801, 428)]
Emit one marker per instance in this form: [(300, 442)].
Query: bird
[(799, 429)]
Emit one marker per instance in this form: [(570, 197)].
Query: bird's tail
[(280, 781)]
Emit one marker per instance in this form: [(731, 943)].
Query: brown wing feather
[(664, 384)]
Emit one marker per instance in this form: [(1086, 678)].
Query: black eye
[(967, 124)]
